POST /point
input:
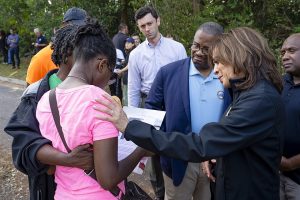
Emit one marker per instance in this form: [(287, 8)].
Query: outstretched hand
[(114, 111)]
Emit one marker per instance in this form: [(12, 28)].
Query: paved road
[(10, 97), (15, 185)]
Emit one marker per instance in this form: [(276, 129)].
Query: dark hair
[(211, 28), (91, 40), (63, 44), (2, 33), (247, 51), (122, 26), (141, 12)]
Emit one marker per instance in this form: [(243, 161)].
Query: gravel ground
[(14, 184)]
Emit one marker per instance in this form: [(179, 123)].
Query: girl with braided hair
[(94, 59), (63, 46), (33, 153)]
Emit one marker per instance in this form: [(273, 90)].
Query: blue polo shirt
[(291, 98), (206, 98)]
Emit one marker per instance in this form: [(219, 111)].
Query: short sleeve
[(33, 72), (40, 65), (100, 129)]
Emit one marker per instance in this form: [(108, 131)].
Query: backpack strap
[(55, 114)]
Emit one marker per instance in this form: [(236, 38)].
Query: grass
[(7, 71)]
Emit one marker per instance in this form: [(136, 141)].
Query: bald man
[(290, 162)]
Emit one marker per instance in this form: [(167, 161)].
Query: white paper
[(125, 147), (153, 117)]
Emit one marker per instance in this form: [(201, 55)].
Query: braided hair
[(91, 40), (63, 44)]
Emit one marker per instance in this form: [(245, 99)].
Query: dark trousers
[(4, 54), (153, 167), (156, 177), (116, 89), (12, 53)]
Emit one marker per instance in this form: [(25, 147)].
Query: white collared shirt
[(144, 63)]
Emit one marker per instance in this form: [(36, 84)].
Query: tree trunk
[(124, 11)]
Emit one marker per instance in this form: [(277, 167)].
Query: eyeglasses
[(196, 47)]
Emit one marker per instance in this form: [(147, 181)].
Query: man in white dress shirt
[(144, 63), (145, 60)]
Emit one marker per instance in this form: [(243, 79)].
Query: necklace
[(78, 77)]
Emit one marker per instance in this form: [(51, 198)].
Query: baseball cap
[(75, 16), (130, 39)]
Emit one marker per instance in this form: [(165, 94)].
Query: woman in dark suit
[(247, 140)]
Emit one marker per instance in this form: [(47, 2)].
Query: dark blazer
[(170, 92), (247, 141)]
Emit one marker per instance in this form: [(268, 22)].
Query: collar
[(161, 39), (233, 83), (194, 71), (288, 78)]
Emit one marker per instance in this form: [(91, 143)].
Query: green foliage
[(7, 71), (276, 19)]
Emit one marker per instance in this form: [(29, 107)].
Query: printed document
[(153, 117)]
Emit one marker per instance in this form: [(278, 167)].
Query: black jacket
[(27, 139), (247, 141), (291, 98)]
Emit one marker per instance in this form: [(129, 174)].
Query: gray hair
[(36, 30), (211, 28)]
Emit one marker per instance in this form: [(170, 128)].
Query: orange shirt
[(40, 65)]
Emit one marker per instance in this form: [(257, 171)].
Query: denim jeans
[(12, 53)]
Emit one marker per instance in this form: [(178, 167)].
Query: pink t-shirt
[(80, 126)]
